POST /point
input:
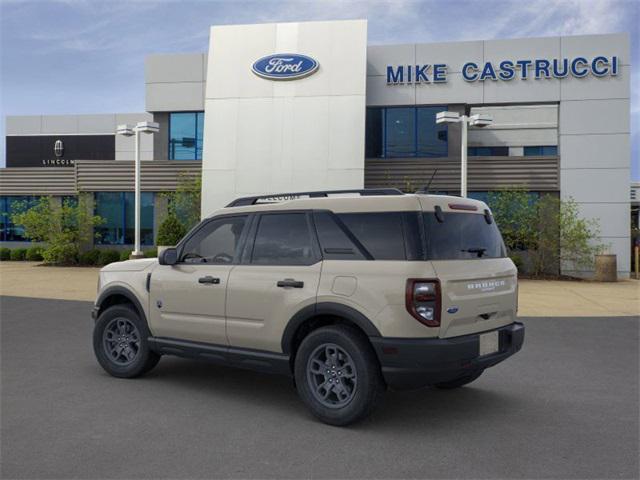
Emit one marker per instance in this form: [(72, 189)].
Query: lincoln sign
[(506, 70)]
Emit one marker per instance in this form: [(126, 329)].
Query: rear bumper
[(409, 363)]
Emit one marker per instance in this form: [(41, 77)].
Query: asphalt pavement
[(566, 406)]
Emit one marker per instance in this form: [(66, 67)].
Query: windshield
[(462, 236)]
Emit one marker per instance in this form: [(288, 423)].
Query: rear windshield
[(462, 236)]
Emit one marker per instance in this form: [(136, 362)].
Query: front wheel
[(337, 375), (120, 343)]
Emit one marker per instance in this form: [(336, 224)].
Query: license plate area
[(489, 343)]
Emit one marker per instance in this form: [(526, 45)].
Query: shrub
[(109, 256), (90, 257), (153, 253), (171, 231), (573, 238), (18, 254), (125, 254), (64, 227), (61, 254), (34, 254), (5, 254)]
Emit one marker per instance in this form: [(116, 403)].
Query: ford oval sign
[(285, 66)]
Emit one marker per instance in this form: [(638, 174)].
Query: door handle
[(290, 282), (209, 279)]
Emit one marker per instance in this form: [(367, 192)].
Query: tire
[(132, 357), (337, 375), (459, 382)]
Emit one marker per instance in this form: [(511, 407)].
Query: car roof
[(345, 203)]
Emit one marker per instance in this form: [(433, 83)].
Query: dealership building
[(287, 107)]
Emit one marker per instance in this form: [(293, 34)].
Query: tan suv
[(348, 292)]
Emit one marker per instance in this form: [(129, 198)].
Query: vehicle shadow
[(411, 410)]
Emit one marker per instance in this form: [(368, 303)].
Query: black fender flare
[(123, 291), (326, 308)]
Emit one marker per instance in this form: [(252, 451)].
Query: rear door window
[(462, 236), (284, 239)]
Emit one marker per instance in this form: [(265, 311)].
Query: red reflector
[(462, 206), (389, 350)]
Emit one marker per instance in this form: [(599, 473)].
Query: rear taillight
[(423, 301)]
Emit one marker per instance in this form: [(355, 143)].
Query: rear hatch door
[(477, 295), (478, 283)]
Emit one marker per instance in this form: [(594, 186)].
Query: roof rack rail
[(281, 197)]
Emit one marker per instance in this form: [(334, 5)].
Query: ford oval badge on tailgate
[(452, 310)]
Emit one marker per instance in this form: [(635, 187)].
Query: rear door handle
[(290, 282), (209, 279)]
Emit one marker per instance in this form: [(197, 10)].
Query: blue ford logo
[(452, 310), (285, 66)]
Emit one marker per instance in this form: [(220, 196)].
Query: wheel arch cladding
[(119, 296), (321, 314)]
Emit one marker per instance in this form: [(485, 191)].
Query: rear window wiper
[(479, 251)]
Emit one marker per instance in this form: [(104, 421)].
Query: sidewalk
[(30, 279), (537, 298), (554, 298)]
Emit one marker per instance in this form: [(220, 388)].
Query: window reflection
[(185, 135), (117, 210), (405, 132), (10, 232)]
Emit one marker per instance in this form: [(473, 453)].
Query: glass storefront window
[(488, 151), (9, 232), (400, 138), (405, 132), (185, 135), (117, 209), (541, 151), (432, 137), (374, 133)]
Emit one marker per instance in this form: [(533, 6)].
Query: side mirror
[(168, 257)]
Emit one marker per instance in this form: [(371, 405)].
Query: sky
[(87, 56)]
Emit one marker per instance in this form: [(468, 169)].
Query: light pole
[(477, 120), (128, 131)]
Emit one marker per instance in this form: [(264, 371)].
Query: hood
[(130, 265)]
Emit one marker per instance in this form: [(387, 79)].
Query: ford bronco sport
[(348, 292)]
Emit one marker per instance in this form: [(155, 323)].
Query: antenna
[(425, 189)]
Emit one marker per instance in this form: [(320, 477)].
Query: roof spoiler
[(283, 197)]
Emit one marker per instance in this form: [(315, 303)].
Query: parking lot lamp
[(477, 120), (128, 131)]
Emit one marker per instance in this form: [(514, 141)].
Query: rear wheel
[(120, 343), (459, 382), (337, 375)]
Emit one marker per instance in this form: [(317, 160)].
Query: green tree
[(171, 231), (564, 237), (184, 203), (515, 214), (550, 229), (65, 227)]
